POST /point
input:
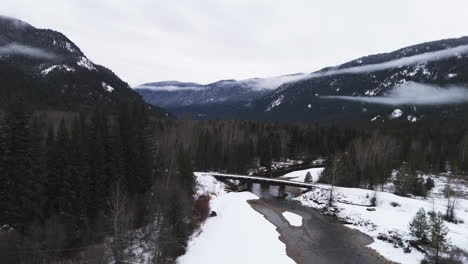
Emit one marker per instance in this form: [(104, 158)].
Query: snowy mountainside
[(223, 98), (48, 69), (424, 81)]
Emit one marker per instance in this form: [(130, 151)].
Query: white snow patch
[(375, 118), (208, 185), (412, 118), (275, 103), (451, 75), (85, 63), (389, 219), (301, 174), (293, 219), (57, 67), (395, 114), (107, 87), (238, 234)]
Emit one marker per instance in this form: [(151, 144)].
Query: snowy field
[(301, 174), (238, 234), (293, 219), (391, 217)]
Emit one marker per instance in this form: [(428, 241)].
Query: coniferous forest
[(69, 180)]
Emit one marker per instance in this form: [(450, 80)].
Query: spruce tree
[(438, 234), (308, 177), (418, 226)]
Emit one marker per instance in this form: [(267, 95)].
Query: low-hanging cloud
[(275, 82), (169, 88), (20, 49), (406, 61), (414, 94)]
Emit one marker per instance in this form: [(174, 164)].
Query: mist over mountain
[(424, 81), (221, 99), (50, 71)]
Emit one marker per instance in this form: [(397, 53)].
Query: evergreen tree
[(308, 177), (418, 226), (438, 234)]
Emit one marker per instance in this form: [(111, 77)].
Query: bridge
[(258, 179)]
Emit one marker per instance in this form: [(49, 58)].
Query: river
[(320, 239)]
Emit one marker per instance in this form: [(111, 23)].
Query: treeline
[(429, 147), (72, 182)]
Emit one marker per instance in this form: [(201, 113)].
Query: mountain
[(50, 71), (421, 82), (221, 99), (427, 81)]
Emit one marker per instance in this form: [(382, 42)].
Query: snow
[(452, 75), (396, 114), (375, 118), (301, 174), (208, 185), (412, 118), (275, 103), (85, 63), (387, 219), (107, 87), (57, 67), (293, 219), (238, 234)]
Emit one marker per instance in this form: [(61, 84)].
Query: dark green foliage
[(418, 226), (62, 172)]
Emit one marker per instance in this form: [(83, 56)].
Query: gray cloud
[(205, 41), (414, 94), (19, 49)]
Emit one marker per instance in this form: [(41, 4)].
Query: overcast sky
[(208, 40)]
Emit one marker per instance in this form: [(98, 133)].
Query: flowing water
[(320, 239)]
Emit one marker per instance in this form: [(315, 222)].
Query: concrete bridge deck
[(258, 179)]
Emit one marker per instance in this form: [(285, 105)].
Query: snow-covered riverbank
[(238, 234), (391, 216)]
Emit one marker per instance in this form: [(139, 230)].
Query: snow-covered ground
[(301, 174), (391, 216), (238, 234), (293, 219)]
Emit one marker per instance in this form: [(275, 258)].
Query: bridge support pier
[(243, 186), (282, 191)]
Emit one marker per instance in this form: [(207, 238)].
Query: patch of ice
[(293, 219)]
